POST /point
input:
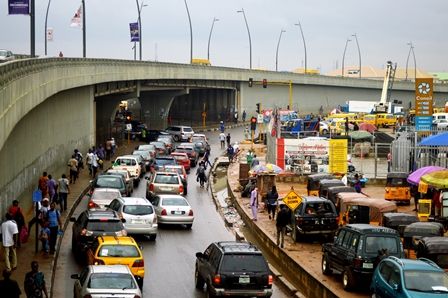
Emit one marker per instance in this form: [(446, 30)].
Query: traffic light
[(251, 82), (258, 108), (253, 123), (265, 83)]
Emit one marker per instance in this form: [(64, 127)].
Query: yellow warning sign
[(292, 200)]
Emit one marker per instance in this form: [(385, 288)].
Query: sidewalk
[(26, 254)]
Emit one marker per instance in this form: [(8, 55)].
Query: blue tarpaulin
[(435, 140)]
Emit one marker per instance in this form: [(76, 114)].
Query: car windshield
[(118, 250), (111, 281), (166, 179), (105, 226), (165, 161), (179, 157), (377, 243), (243, 262), (111, 182), (426, 281), (138, 209), (396, 182), (174, 202), (188, 129), (146, 147), (105, 195)]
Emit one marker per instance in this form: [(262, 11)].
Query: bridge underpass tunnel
[(219, 105)]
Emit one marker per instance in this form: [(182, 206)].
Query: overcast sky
[(383, 27)]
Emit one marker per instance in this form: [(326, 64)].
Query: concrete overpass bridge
[(50, 106)]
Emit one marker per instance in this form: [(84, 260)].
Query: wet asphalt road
[(170, 260)]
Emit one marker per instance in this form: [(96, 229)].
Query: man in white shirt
[(9, 238), (222, 138)]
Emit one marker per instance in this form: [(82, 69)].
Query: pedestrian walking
[(10, 234), (109, 145), (19, 218), (89, 160), (64, 190), (101, 153), (228, 139), (230, 153), (389, 161), (52, 186), (54, 223), (206, 158), (254, 162), (42, 184), (36, 209), (254, 203), (43, 211), (221, 126), (95, 164), (244, 116), (222, 138), (34, 283), (8, 287), (271, 201), (114, 145), (44, 237), (346, 126), (281, 222), (235, 117), (73, 166), (80, 159)]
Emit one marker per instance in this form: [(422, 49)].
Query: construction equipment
[(383, 105)]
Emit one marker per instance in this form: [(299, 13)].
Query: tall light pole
[(32, 29), (304, 44), (248, 33), (278, 45), (191, 32), (210, 37), (84, 28), (359, 53), (343, 56), (411, 49), (139, 11), (46, 19)]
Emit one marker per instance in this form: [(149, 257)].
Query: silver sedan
[(173, 210)]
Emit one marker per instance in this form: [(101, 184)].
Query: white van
[(130, 163), (439, 116)]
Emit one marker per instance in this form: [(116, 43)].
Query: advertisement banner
[(423, 103), (18, 7), (338, 156), (135, 34), (76, 20), (305, 156)]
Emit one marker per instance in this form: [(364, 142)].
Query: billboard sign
[(423, 103), (135, 34), (18, 7)]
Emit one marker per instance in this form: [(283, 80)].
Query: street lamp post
[(359, 53), (32, 29), (248, 33), (139, 11), (46, 19), (84, 28), (210, 37), (411, 49), (276, 53), (191, 32), (343, 56), (304, 44)]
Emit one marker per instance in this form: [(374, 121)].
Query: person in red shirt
[(42, 185)]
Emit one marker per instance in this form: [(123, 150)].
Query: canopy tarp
[(414, 177), (438, 179), (435, 140)]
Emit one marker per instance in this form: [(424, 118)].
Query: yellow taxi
[(113, 250), (351, 116), (337, 126), (385, 120), (370, 119)]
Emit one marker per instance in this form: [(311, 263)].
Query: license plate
[(178, 212), (244, 280), (137, 221), (367, 265)]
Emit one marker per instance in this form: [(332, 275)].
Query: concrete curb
[(313, 289)]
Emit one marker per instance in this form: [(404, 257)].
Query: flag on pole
[(50, 34), (135, 32), (76, 20)]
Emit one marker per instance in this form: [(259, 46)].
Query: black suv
[(356, 251), (233, 269), (92, 223), (314, 216)]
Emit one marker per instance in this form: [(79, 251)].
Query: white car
[(173, 210), (105, 281), (442, 124), (102, 197), (6, 56), (139, 215), (180, 133)]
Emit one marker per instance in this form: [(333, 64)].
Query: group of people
[(271, 202), (55, 191), (201, 176)]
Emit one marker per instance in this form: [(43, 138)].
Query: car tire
[(199, 282), (176, 138), (326, 269), (324, 131), (348, 280), (189, 226), (152, 237)]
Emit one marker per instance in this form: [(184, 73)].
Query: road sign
[(423, 104), (260, 118), (37, 196), (128, 126), (292, 200)]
